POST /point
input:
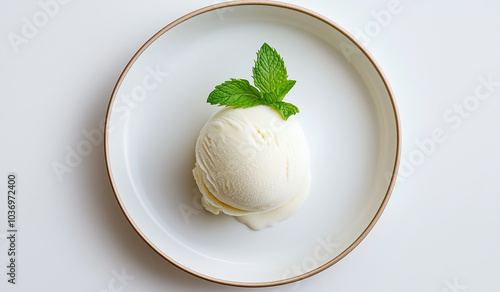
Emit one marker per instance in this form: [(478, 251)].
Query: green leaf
[(270, 97), (284, 89), (237, 93), (269, 75), (269, 72), (286, 109), (279, 94)]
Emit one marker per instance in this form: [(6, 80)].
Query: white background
[(441, 228)]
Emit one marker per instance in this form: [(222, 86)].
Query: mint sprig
[(271, 86)]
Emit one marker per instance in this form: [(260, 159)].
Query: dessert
[(252, 157)]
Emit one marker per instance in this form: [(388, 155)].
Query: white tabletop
[(61, 59)]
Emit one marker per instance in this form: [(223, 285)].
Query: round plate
[(159, 106)]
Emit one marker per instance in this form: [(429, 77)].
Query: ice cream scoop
[(251, 161)]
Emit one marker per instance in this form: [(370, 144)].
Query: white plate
[(159, 106)]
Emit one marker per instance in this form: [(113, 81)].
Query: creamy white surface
[(262, 220), (250, 161)]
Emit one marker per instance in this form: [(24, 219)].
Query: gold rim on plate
[(280, 5)]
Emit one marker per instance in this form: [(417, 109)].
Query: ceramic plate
[(159, 106)]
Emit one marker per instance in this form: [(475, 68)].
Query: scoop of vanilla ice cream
[(250, 160)]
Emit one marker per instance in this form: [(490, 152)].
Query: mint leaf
[(269, 72), (279, 94), (269, 97), (237, 93), (269, 75), (286, 109), (284, 89)]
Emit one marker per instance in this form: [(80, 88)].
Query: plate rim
[(278, 4)]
